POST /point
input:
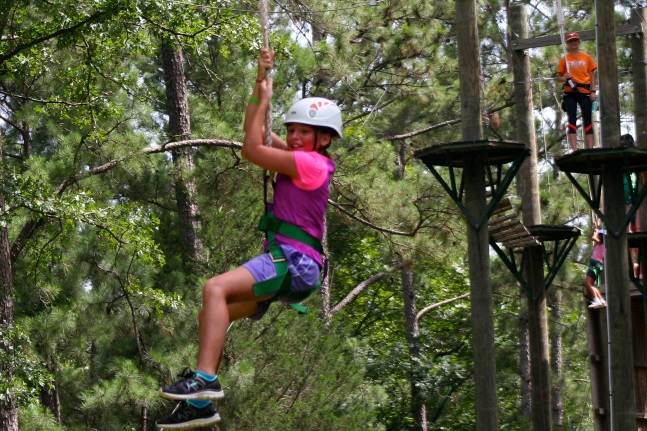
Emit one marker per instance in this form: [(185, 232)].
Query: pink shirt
[(598, 253), (303, 201)]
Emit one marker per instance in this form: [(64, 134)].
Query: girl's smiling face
[(573, 44), (301, 137)]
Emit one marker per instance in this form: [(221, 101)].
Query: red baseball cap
[(572, 36)]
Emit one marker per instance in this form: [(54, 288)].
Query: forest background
[(122, 190)]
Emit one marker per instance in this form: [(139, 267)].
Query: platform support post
[(477, 238), (528, 190), (621, 383)]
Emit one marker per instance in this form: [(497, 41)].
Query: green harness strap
[(279, 286)]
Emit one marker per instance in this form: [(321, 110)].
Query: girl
[(596, 266), (290, 268), (579, 88)]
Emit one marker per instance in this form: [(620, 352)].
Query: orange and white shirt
[(581, 66)]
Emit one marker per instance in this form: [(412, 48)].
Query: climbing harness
[(279, 287)]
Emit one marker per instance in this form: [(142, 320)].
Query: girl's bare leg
[(226, 297)]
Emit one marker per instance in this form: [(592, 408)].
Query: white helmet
[(316, 111)]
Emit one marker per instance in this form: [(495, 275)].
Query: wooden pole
[(639, 54), (477, 238), (639, 51), (607, 74), (527, 179), (469, 70), (621, 383), (528, 191)]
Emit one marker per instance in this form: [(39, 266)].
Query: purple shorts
[(304, 274)]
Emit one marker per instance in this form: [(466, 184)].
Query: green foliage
[(296, 374), (24, 375), (118, 401), (34, 416), (105, 306)]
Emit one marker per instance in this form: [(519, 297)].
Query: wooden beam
[(504, 227), (526, 242), (493, 222), (508, 233), (503, 206), (536, 42)]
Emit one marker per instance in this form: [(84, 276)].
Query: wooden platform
[(546, 232), (456, 154), (592, 161)]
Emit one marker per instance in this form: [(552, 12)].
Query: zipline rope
[(268, 177), (266, 44), (560, 23)]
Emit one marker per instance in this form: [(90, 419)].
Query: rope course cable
[(268, 177), (266, 45), (560, 24)]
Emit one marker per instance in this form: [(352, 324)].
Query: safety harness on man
[(279, 286), (578, 85)]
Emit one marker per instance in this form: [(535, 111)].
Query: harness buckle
[(277, 259)]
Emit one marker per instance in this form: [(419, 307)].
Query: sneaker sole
[(196, 423), (203, 395)]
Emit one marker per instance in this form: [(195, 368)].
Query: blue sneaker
[(193, 386), (185, 417)]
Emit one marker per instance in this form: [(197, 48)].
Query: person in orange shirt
[(580, 88)]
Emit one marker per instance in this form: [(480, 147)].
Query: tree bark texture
[(616, 269), (621, 373), (8, 408), (418, 408), (482, 316), (540, 387), (607, 73), (524, 356), (557, 358), (469, 70), (528, 190), (180, 129), (528, 177), (49, 396), (639, 55)]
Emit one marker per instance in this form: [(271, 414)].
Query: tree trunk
[(401, 154), (557, 357), (180, 129), (144, 415), (49, 396), (528, 190), (619, 313), (482, 314), (8, 407), (524, 355), (418, 408)]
